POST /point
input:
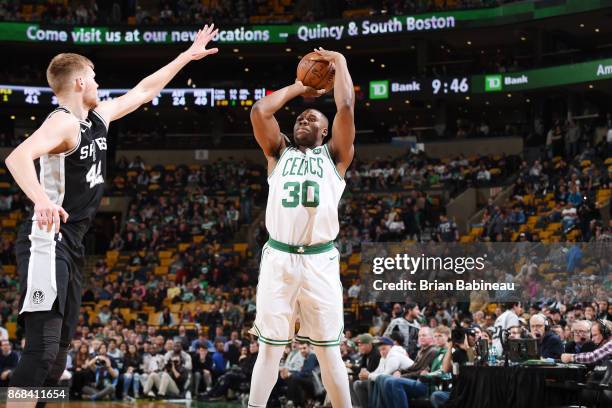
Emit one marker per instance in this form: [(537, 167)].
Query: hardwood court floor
[(141, 404)]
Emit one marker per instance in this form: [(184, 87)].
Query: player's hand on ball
[(310, 92), (49, 214), (198, 48), (325, 55)]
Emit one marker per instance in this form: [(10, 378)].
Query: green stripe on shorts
[(270, 341), (321, 343)]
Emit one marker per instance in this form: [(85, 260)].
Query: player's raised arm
[(265, 126), (149, 87), (343, 128), (57, 134)]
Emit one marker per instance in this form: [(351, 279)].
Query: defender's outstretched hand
[(198, 48), (324, 55)]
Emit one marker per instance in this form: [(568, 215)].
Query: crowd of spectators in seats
[(559, 194), (197, 11), (417, 171), (406, 358)]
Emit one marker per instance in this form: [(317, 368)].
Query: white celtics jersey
[(305, 189)]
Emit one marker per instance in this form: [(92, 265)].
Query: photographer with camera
[(460, 352), (106, 375), (170, 381), (152, 362), (177, 351)]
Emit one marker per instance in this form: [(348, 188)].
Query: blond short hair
[(443, 330), (62, 67)]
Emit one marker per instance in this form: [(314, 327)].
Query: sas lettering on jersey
[(301, 166), (90, 149)]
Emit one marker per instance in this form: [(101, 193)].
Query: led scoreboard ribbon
[(211, 97)]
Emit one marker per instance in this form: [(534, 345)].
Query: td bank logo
[(379, 89), (493, 83)]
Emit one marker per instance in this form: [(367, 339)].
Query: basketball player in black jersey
[(70, 151)]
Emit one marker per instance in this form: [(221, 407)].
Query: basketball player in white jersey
[(69, 149), (300, 273)]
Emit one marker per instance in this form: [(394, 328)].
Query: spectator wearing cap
[(368, 361), (408, 327), (370, 355), (393, 358)]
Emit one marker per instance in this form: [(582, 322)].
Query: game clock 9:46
[(450, 85)]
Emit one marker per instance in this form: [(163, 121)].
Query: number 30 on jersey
[(306, 193)]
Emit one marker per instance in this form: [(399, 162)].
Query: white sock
[(265, 374), (334, 376)]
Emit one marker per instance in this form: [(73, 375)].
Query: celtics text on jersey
[(304, 191)]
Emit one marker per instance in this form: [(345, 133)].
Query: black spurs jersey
[(74, 179)]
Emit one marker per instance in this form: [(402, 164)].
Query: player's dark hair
[(397, 337), (510, 305)]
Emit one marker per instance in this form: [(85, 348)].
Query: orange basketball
[(316, 74)]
